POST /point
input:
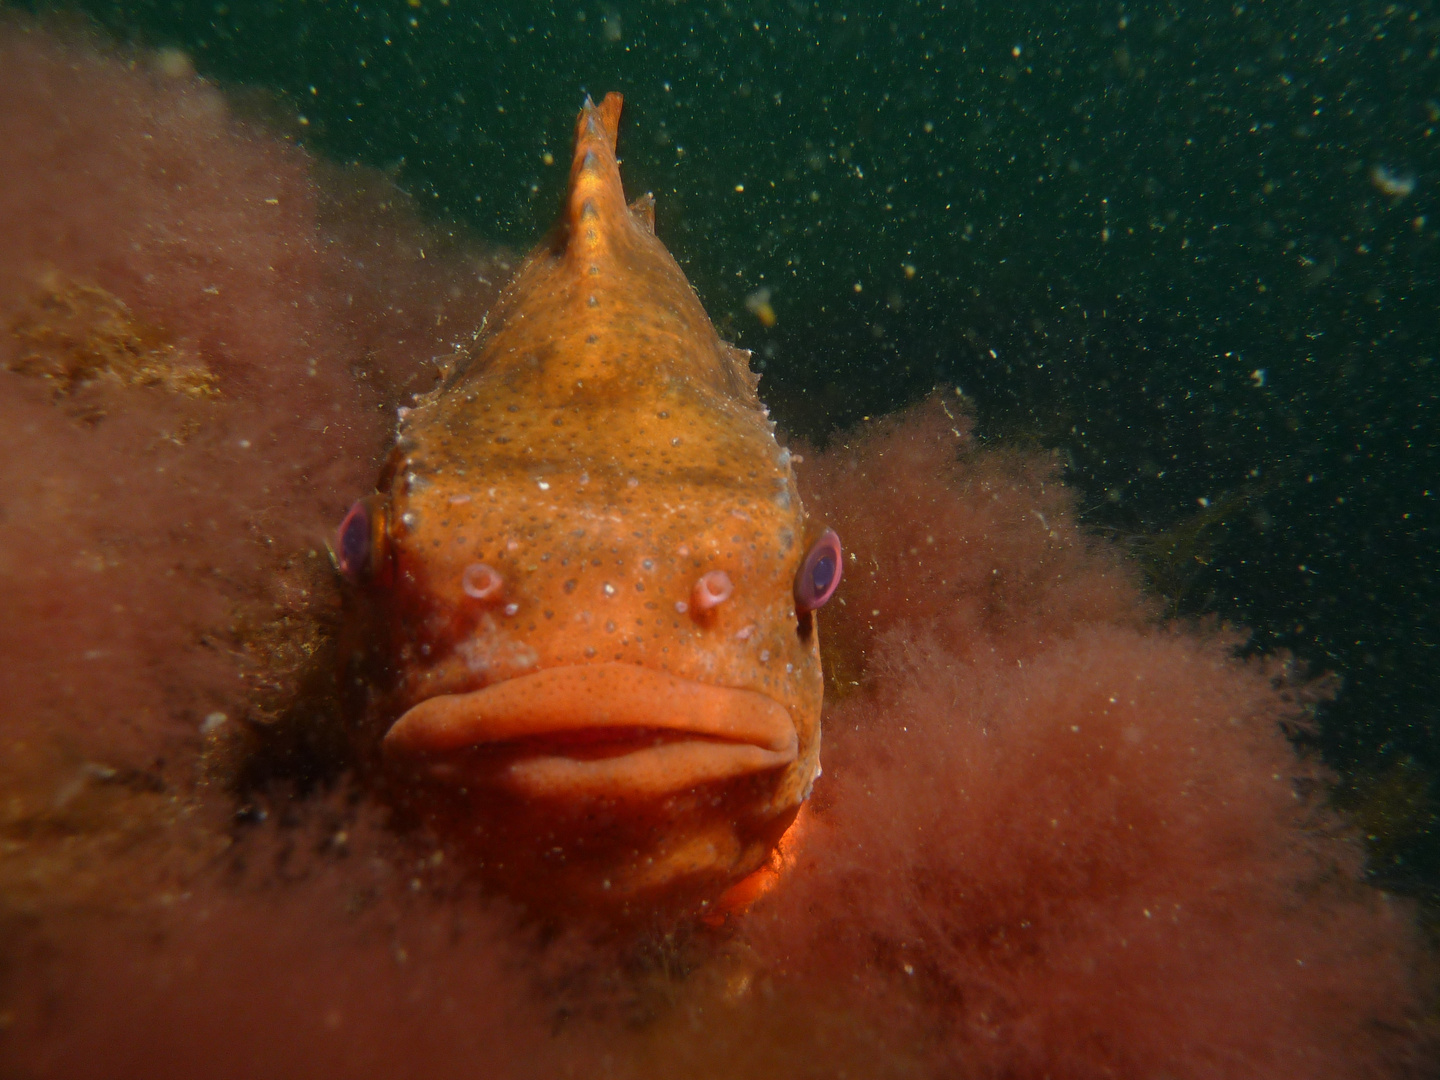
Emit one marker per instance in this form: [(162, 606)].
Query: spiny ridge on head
[(596, 202)]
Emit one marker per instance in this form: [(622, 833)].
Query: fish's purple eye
[(353, 541), (819, 575)]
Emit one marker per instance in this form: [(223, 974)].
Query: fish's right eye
[(819, 575), (359, 541)]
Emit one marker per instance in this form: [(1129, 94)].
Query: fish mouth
[(595, 730)]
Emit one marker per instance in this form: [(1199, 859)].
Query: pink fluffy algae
[(1062, 839), (1054, 838), (144, 528)]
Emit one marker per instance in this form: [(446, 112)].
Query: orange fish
[(594, 580)]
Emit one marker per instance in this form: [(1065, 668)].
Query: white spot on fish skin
[(681, 606), (609, 589), (213, 722), (743, 634), (459, 500), (512, 608), (481, 582), (544, 485), (584, 478), (632, 482), (408, 519), (764, 656)]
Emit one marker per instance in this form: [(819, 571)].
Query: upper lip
[(671, 732)]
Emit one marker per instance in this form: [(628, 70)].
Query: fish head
[(596, 581)]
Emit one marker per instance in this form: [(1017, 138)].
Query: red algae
[(199, 358), (1055, 837), (326, 957), (190, 401)]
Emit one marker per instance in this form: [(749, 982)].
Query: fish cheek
[(430, 612), (808, 691)]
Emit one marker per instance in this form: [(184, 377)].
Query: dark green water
[(1195, 247)]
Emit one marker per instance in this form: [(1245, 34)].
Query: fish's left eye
[(819, 575), (359, 541)]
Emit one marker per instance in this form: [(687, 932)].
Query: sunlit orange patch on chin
[(741, 896), (608, 730)]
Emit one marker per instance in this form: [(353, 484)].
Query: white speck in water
[(1397, 185)]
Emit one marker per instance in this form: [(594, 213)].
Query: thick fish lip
[(609, 729)]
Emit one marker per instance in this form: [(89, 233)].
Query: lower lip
[(648, 766), (639, 774)]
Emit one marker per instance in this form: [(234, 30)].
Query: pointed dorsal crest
[(595, 206)]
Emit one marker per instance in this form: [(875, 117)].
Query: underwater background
[(1193, 251), (1192, 246)]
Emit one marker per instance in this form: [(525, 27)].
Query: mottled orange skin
[(603, 449)]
